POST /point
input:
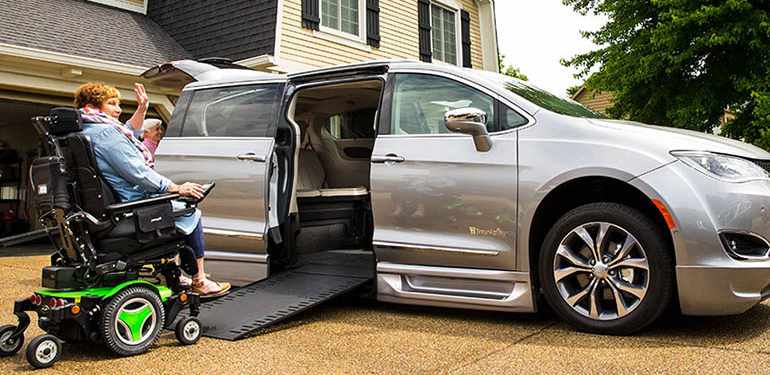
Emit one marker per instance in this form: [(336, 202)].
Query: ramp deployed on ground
[(319, 277)]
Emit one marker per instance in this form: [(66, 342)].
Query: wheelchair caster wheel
[(43, 351), (188, 330), (9, 347)]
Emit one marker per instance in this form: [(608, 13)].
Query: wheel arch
[(584, 190)]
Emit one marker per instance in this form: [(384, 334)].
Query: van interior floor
[(318, 277)]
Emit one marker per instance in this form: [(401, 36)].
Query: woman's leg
[(199, 281)]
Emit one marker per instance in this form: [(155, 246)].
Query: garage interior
[(19, 145)]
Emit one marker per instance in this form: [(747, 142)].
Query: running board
[(250, 309)]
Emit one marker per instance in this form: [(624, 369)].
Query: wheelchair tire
[(132, 320), (43, 351), (188, 330), (9, 349)]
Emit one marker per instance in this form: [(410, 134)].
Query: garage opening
[(19, 145)]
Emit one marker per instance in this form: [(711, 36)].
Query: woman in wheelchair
[(127, 165)]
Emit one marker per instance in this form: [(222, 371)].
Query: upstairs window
[(444, 34), (342, 16)]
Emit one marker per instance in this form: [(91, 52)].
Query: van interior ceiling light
[(722, 167)]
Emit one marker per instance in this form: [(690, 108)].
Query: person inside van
[(127, 165)]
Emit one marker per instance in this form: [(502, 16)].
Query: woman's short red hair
[(94, 93)]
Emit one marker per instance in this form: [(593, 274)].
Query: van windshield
[(544, 99)]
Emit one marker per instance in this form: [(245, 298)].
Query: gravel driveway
[(350, 336)]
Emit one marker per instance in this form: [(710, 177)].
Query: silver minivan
[(460, 188)]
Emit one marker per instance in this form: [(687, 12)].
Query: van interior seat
[(312, 178)]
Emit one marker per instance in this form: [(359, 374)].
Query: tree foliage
[(510, 70), (683, 62), (572, 90)]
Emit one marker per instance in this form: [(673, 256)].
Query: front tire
[(606, 268), (188, 330), (132, 320)]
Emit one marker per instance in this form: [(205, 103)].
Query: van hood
[(675, 139)]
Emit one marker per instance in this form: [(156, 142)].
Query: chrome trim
[(465, 273), (237, 257), (453, 291), (437, 248), (232, 233), (740, 257), (252, 157)]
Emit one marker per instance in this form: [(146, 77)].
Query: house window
[(341, 15), (444, 34)]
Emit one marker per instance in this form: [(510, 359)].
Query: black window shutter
[(310, 14), (373, 23), (465, 18), (423, 20)]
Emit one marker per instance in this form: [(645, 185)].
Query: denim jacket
[(125, 170)]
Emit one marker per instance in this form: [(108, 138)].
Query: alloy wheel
[(135, 321), (601, 271)]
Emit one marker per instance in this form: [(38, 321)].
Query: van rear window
[(236, 111)]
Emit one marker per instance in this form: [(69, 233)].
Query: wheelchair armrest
[(118, 207)]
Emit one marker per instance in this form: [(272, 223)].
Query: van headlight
[(722, 167)]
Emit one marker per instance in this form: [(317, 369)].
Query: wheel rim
[(5, 345), (191, 330), (601, 271), (46, 351), (136, 320)]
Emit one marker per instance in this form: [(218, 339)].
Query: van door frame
[(293, 88)]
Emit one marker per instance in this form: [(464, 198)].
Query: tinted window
[(512, 119), (241, 111), (177, 118), (549, 101), (352, 125), (420, 102)]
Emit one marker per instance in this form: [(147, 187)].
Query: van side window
[(352, 125), (180, 108), (512, 119), (420, 102), (238, 111)]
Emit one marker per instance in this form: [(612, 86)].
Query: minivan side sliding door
[(226, 134), (437, 200)]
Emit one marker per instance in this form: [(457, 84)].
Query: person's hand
[(142, 100), (188, 189)]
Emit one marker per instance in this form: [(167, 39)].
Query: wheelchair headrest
[(64, 120)]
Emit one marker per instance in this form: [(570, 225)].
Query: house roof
[(82, 28)]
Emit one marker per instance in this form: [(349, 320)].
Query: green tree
[(572, 90), (510, 70), (683, 62)]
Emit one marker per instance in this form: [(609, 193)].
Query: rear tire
[(8, 349), (43, 351), (617, 288)]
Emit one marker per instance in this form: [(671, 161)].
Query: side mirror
[(471, 121)]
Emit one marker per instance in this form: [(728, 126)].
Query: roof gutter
[(72, 60)]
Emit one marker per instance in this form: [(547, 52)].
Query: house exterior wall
[(598, 101), (219, 28), (398, 37)]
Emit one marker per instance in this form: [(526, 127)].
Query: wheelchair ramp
[(319, 277)]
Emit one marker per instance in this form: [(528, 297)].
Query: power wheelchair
[(114, 278)]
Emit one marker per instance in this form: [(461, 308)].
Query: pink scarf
[(98, 117)]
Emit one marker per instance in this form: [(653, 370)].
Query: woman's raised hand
[(142, 100)]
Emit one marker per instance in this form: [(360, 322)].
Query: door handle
[(250, 156), (389, 158)]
